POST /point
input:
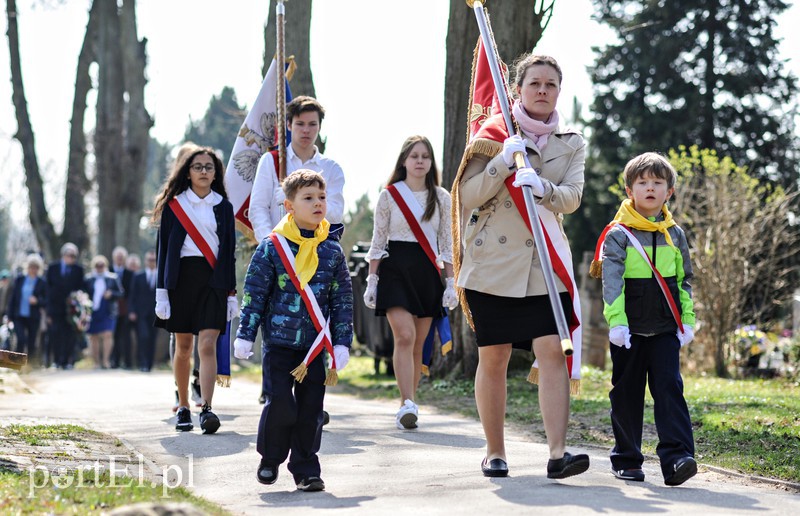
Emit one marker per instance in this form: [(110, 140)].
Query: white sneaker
[(406, 418)]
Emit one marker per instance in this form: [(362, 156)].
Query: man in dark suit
[(142, 310), (63, 277), (121, 355)]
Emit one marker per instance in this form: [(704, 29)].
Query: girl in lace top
[(411, 242)]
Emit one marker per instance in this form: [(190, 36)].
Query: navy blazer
[(60, 287), (142, 299), (15, 299), (170, 241)]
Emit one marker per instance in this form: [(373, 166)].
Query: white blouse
[(204, 210), (99, 291), (390, 224)]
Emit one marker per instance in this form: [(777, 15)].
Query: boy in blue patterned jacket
[(291, 420), (647, 295)]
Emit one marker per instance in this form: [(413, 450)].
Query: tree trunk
[(137, 130), (462, 34), (40, 221), (297, 28), (75, 229), (517, 27), (108, 130), (296, 43)]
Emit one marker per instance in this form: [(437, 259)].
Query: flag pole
[(522, 161), (280, 90)]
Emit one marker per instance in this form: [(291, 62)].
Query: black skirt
[(194, 305), (515, 320), (409, 280)]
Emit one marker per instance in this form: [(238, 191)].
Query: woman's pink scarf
[(534, 130)]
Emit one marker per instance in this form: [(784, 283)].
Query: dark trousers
[(145, 341), (292, 416), (121, 352), (654, 361), (62, 337), (26, 329)]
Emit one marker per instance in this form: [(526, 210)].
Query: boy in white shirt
[(304, 115)]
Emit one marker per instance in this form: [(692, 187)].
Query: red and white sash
[(673, 307), (561, 260), (322, 325), (205, 240), (413, 212), (426, 237)]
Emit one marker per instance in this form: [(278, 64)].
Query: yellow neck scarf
[(628, 216), (306, 261)]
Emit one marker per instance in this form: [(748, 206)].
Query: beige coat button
[(529, 242), (479, 241), (503, 239)]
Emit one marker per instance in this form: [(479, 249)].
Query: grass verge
[(63, 469)]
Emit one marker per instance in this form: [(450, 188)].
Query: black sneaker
[(683, 470), (635, 474), (267, 474), (326, 418), (567, 466), (184, 423), (311, 484), (209, 422)]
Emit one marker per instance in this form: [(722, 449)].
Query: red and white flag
[(257, 136)]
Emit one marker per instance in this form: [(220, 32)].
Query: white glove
[(687, 336), (242, 349), (620, 336), (342, 355), (371, 294), (513, 144), (528, 177), (450, 298), (233, 307), (162, 303)]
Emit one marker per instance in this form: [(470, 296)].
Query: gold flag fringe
[(596, 269), (447, 348), (247, 232), (425, 370), (300, 372), (488, 148), (332, 378), (224, 380), (574, 383), (533, 376)]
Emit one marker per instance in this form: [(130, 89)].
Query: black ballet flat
[(494, 468), (567, 466)]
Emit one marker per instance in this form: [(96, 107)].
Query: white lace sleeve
[(380, 229), (444, 235)]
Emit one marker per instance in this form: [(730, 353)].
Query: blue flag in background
[(440, 325)]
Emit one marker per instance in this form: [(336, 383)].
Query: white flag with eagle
[(257, 136)]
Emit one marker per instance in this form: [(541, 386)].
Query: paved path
[(369, 467)]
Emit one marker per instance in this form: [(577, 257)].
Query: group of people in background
[(429, 252), (57, 312)]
